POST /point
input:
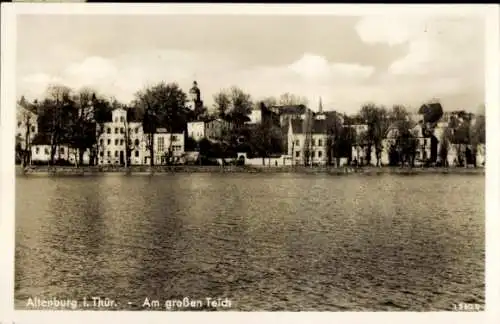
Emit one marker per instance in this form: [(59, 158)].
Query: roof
[(29, 108), (291, 109), (44, 139), (318, 126)]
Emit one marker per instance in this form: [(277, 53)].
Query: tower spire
[(320, 107)]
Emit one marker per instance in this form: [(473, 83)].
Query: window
[(116, 130), (101, 153), (109, 130), (101, 142), (109, 154), (136, 153), (312, 154), (61, 150), (297, 142), (174, 138), (33, 129), (137, 130), (121, 119), (116, 119), (136, 142), (161, 144), (122, 130), (313, 142), (116, 141), (46, 151), (109, 141), (37, 150), (121, 142), (19, 124), (320, 143), (320, 154), (116, 153), (297, 154)]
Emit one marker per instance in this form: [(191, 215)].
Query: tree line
[(77, 118)]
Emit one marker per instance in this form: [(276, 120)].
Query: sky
[(346, 60)]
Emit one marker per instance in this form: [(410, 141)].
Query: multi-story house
[(426, 147), (307, 141), (168, 147), (119, 137)]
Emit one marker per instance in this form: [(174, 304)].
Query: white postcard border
[(7, 197)]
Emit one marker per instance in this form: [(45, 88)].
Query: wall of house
[(481, 155), (283, 160), (112, 143), (317, 148), (359, 153), (196, 130), (113, 139), (255, 116), (165, 141), (74, 157), (216, 128), (41, 153)]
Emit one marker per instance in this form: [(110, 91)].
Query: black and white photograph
[(233, 162)]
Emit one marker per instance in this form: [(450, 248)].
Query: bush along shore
[(151, 170)]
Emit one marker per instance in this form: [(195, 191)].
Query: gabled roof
[(317, 127), (28, 107)]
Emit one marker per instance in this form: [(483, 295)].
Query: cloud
[(122, 76), (435, 45), (312, 66), (430, 57), (390, 30)]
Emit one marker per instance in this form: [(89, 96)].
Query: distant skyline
[(347, 61)]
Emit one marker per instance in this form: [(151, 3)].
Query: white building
[(166, 146), (255, 116), (196, 130), (307, 145), (114, 137), (41, 153)]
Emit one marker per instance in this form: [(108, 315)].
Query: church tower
[(195, 103), (195, 97), (320, 115)]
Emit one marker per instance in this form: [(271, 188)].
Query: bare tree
[(288, 99), (222, 103), (27, 118)]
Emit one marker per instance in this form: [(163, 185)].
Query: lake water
[(266, 242)]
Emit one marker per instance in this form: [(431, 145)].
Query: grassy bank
[(99, 170)]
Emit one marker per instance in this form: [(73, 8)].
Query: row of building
[(304, 134)]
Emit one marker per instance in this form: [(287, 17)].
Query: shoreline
[(148, 170)]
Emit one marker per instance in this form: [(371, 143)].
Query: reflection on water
[(267, 242)]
